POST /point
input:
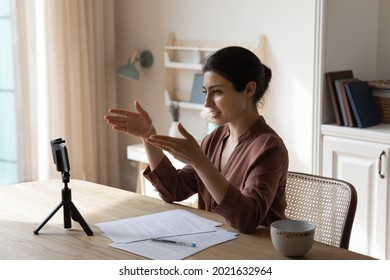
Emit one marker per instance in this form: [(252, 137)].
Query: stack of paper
[(135, 234)]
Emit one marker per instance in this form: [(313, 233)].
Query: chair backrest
[(327, 202)]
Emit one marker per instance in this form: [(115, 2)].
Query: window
[(8, 146)]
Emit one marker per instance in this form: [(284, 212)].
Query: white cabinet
[(361, 157)]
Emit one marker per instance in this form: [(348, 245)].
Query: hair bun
[(267, 73)]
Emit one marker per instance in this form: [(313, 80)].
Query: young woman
[(239, 171)]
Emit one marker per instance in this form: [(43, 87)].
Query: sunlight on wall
[(302, 103)]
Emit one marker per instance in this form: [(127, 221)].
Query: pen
[(174, 242)]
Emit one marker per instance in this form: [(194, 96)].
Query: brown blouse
[(256, 171)]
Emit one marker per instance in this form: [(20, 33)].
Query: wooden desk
[(24, 206)]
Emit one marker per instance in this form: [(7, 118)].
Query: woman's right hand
[(137, 123)]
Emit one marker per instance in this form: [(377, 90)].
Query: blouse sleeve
[(172, 184)]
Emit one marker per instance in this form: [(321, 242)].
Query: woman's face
[(226, 105)]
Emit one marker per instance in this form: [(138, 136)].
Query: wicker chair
[(329, 203)]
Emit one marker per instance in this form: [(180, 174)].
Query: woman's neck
[(240, 126)]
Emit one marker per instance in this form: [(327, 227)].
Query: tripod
[(70, 210)]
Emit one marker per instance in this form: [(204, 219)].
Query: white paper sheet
[(134, 234), (163, 224), (167, 251)]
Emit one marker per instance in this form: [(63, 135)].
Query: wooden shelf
[(180, 65), (190, 48)]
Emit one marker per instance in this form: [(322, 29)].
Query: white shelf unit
[(183, 59)]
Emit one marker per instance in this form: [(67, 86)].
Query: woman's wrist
[(151, 132), (199, 162)]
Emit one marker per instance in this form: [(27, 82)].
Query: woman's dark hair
[(239, 66)]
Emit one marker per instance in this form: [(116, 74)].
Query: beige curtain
[(81, 85)]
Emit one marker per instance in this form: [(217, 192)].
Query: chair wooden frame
[(327, 202)]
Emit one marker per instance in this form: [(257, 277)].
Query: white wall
[(352, 43), (361, 43), (289, 30), (383, 71)]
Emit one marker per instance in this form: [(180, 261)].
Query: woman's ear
[(250, 89)]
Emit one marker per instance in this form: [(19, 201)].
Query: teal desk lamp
[(129, 71)]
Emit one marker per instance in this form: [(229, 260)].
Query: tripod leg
[(48, 217), (78, 218)]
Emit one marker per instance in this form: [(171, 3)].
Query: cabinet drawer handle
[(380, 165)]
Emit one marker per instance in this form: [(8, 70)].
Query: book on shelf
[(345, 104), (340, 100), (330, 78), (197, 95), (362, 103)]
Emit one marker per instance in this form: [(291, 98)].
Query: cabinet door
[(358, 162)]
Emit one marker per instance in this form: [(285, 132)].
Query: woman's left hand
[(186, 150)]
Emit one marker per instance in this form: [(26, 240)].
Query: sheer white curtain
[(24, 31), (80, 88)]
